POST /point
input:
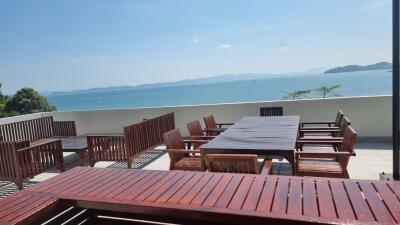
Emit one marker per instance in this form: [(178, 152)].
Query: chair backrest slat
[(339, 118), (232, 163), (31, 130)]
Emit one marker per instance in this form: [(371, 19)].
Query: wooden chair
[(212, 127), (271, 111), (315, 125), (181, 157), (19, 160), (327, 163), (236, 163), (197, 133), (320, 132)]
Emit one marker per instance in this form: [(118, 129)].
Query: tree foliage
[(25, 101), (297, 94), (322, 91), (327, 91)]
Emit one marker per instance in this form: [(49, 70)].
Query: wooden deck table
[(212, 198), (274, 135)]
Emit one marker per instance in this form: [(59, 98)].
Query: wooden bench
[(136, 139), (28, 148), (211, 198)]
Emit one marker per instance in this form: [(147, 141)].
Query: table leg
[(81, 154), (290, 159)]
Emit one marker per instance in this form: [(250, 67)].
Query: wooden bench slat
[(360, 206), (164, 181), (342, 202), (390, 199), (125, 175), (295, 197), (165, 187), (241, 193), (267, 195), (227, 195), (325, 200), (206, 190), (118, 191), (254, 193), (379, 210), (281, 196), (310, 205), (187, 198), (173, 189), (188, 186)]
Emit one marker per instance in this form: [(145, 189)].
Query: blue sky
[(77, 44)]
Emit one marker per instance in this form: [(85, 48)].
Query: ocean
[(361, 83)]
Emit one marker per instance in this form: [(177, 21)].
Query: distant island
[(353, 68)]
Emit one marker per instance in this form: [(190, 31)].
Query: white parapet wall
[(371, 116)]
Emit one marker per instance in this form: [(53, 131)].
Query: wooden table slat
[(295, 206), (281, 196), (267, 195), (217, 191), (375, 203), (390, 199), (310, 205)]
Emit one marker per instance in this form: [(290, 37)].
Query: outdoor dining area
[(221, 173)]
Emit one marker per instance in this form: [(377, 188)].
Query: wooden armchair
[(327, 163), (19, 160), (237, 163), (182, 158), (197, 133), (320, 132), (212, 127), (335, 124)]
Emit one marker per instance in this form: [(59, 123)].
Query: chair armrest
[(225, 124), (319, 131), (182, 151), (319, 138), (320, 141), (201, 137), (196, 141), (318, 123), (218, 129), (320, 128), (321, 154)]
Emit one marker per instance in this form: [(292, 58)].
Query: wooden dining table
[(208, 198), (275, 136)]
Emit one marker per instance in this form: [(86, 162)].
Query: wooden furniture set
[(30, 147), (185, 197)]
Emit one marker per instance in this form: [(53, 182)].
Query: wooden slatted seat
[(182, 158), (237, 163), (327, 163)]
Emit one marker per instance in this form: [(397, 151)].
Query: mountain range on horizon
[(230, 78)]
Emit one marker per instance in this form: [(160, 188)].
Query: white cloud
[(224, 46), (196, 40)]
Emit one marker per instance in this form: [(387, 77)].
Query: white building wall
[(371, 116)]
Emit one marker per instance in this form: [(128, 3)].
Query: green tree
[(327, 91), (297, 94), (26, 101)]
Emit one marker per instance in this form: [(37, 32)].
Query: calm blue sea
[(377, 82)]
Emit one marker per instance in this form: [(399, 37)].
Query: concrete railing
[(371, 116)]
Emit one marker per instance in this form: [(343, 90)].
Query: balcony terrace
[(370, 116)]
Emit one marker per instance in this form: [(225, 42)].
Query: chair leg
[(19, 184), (129, 162), (346, 174)]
